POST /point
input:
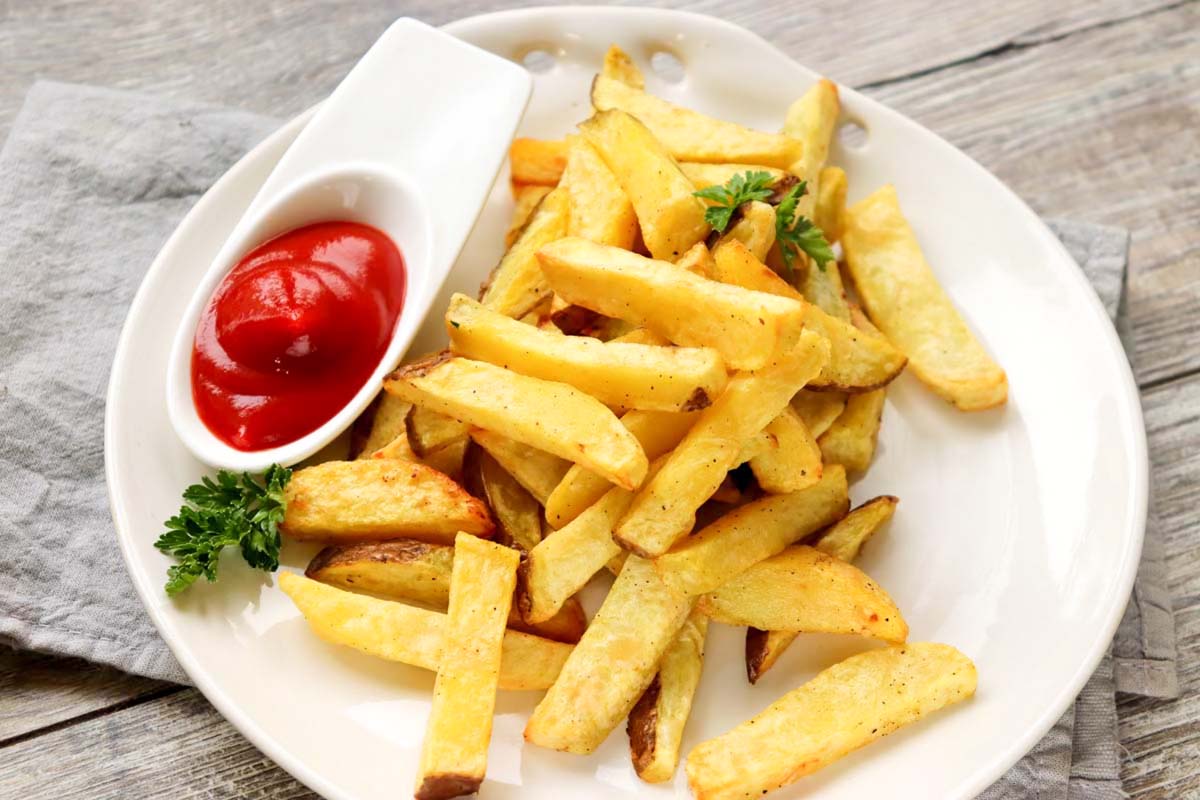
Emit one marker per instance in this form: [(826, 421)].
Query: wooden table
[(1087, 108)]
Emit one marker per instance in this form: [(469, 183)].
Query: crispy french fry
[(656, 723), (537, 161), (665, 507), (419, 572), (691, 136), (448, 459), (845, 538), (823, 288), (850, 440), (517, 513), (818, 409), (620, 67), (756, 230), (704, 175), (762, 442), (600, 209), (431, 431), (830, 209), (758, 530), (613, 663), (389, 426), (412, 635), (903, 297), (657, 432), (670, 216), (697, 260), (516, 285), (454, 753), (615, 373), (795, 463), (812, 119), (536, 470), (744, 326), (843, 708), (802, 589), (550, 416), (763, 649), (526, 198), (373, 499)]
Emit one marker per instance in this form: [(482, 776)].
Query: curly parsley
[(797, 235), (741, 188)]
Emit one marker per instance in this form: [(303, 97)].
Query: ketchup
[(294, 331)]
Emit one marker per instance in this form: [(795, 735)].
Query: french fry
[(431, 431), (670, 216), (656, 431), (842, 540), (698, 260), (843, 708), (706, 560), (517, 513), (448, 459), (600, 209), (389, 426), (802, 589), (812, 120), (516, 285), (412, 635), (818, 409), (903, 297), (756, 230), (613, 663), (857, 363), (620, 67), (823, 288), (850, 440), (615, 373), (526, 198), (691, 136), (665, 507), (845, 538), (744, 326), (550, 416), (412, 571), (830, 209), (537, 161), (657, 721), (374, 499), (795, 463), (536, 470), (704, 175), (454, 752)]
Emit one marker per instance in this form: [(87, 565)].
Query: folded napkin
[(92, 181)]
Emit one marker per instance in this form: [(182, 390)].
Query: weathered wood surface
[(1088, 109)]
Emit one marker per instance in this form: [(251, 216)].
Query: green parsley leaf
[(798, 234), (231, 511), (741, 188)]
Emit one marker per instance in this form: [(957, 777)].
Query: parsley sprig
[(798, 234), (741, 188), (231, 511)]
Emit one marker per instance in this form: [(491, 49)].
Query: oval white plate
[(1018, 531)]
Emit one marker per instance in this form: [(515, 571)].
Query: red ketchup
[(294, 331)]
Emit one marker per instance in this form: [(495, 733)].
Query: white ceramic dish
[(1018, 532)]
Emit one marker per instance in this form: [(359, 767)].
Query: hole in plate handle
[(853, 135), (667, 66), (538, 60)]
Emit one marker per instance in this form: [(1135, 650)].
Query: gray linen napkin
[(92, 181)]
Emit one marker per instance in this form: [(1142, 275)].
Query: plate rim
[(982, 775)]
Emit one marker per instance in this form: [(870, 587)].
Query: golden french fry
[(745, 536), (600, 209), (657, 432), (795, 463), (615, 373), (613, 663), (412, 635), (704, 175), (763, 649), (373, 499), (812, 119), (802, 589), (843, 708), (537, 161), (744, 326), (550, 416), (670, 216), (823, 288), (515, 286), (818, 409), (657, 721), (419, 572), (536, 470), (903, 297), (691, 136), (389, 427), (846, 537), (850, 440), (697, 260), (517, 513), (454, 753), (526, 198), (448, 459), (431, 431), (830, 209), (665, 507), (756, 230), (620, 67)]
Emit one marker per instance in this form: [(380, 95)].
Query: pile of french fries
[(635, 393)]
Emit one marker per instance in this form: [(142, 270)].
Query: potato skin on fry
[(536, 470), (376, 499), (843, 708)]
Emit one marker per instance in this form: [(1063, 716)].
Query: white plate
[(1016, 540)]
